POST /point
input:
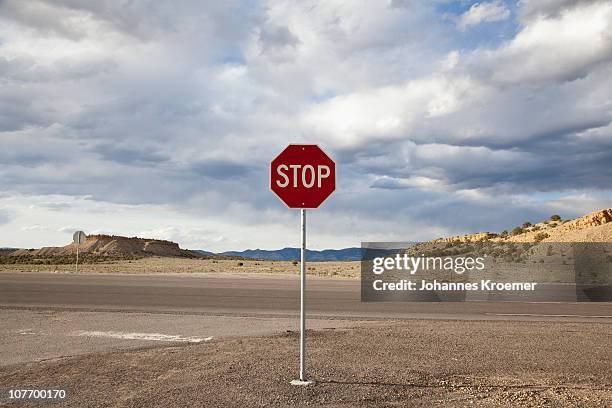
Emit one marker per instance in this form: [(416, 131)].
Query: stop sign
[(303, 176)]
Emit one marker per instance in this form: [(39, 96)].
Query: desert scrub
[(517, 231), (62, 259)]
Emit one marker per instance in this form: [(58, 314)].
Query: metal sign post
[(303, 176), (78, 238), (302, 292)]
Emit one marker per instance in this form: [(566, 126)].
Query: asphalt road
[(54, 316), (257, 296)]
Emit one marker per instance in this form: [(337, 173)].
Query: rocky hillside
[(593, 227), (479, 236), (7, 251), (113, 246)]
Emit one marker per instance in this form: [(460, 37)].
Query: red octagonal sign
[(303, 176)]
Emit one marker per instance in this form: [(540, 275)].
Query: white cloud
[(69, 229), (485, 12), (564, 47), (35, 227), (390, 113)]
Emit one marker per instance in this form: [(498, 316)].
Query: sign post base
[(303, 383)]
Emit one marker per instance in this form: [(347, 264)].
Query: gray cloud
[(45, 18), (4, 217), (130, 155), (272, 37), (220, 169), (532, 9), (18, 112), (185, 104)]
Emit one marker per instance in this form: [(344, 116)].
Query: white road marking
[(547, 315), (143, 336)]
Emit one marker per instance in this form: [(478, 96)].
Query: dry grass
[(158, 265)]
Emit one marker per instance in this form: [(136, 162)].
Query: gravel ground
[(410, 363), (29, 335)]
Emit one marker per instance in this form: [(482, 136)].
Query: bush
[(540, 236), (504, 233), (240, 263), (517, 231), (294, 263), (527, 224), (555, 217)]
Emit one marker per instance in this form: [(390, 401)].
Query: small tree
[(555, 217)]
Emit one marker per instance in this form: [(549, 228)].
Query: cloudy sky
[(159, 118)]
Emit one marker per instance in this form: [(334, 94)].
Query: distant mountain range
[(593, 227), (293, 254)]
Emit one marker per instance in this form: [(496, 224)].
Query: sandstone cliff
[(115, 246)]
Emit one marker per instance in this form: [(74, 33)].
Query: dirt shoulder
[(415, 363)]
